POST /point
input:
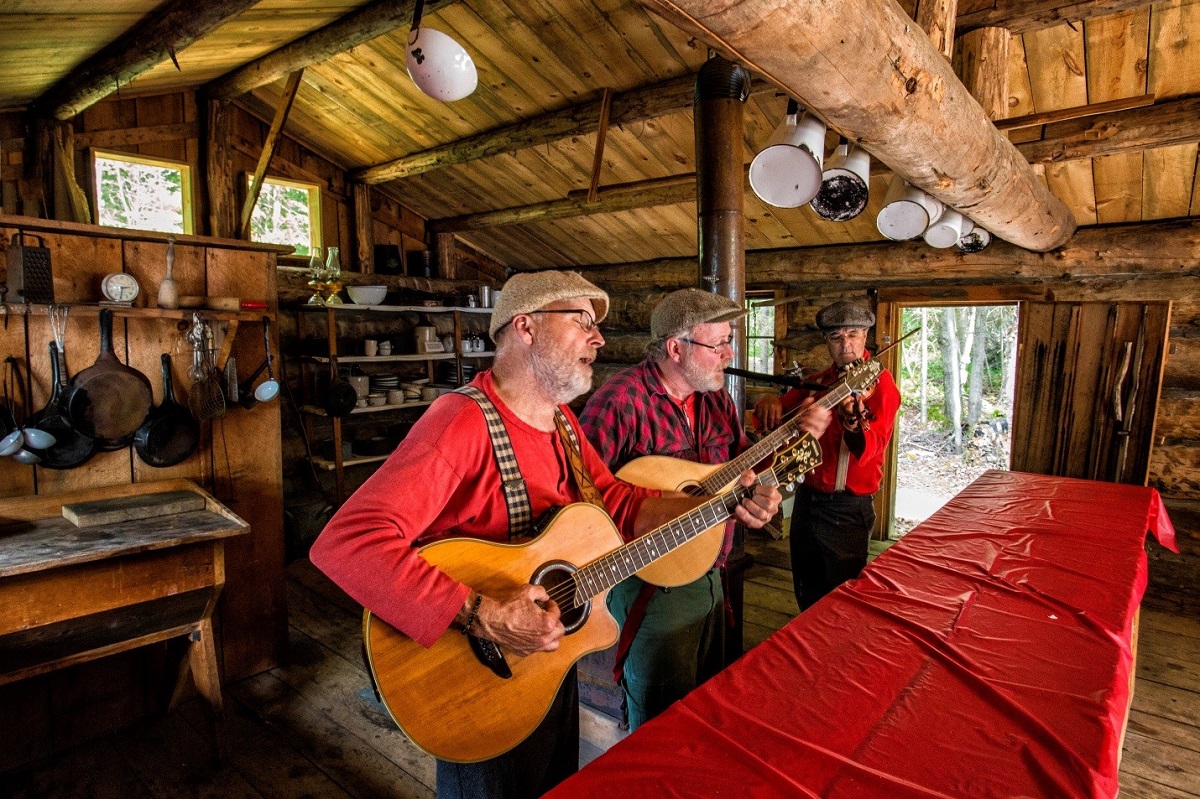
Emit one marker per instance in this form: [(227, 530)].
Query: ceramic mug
[(371, 348), (429, 393), (395, 396)]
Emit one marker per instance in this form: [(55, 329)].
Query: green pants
[(679, 644)]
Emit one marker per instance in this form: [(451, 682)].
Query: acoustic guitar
[(688, 563), (464, 699)]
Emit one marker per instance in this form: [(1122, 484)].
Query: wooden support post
[(447, 263), (268, 150), (220, 186), (936, 17), (601, 134), (364, 229), (982, 65)]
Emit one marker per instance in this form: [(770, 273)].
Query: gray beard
[(563, 380), (701, 380)]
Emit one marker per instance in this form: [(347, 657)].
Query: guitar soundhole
[(558, 578)]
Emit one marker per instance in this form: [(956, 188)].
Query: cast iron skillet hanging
[(71, 448), (170, 433), (108, 400), (342, 397)]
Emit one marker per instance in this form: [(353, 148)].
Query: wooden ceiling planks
[(1117, 52)]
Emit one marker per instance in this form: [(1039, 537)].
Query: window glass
[(287, 212), (760, 337), (134, 191)]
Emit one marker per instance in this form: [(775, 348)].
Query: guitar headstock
[(861, 375), (797, 459)]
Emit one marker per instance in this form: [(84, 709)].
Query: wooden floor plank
[(1166, 701), (1170, 661), (1159, 761), (357, 766), (95, 770)]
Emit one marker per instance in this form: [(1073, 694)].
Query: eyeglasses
[(720, 345), (585, 320)]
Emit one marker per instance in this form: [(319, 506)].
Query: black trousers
[(547, 757), (829, 537)]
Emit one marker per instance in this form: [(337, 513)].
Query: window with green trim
[(135, 191), (760, 335), (287, 212)]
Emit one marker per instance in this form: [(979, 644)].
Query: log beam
[(1160, 125), (1168, 123), (646, 102), (625, 197), (1023, 16), (880, 82), (158, 36), (268, 151), (936, 18), (1163, 250), (344, 33)]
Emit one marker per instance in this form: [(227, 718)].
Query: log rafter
[(1163, 124), (1162, 250), (344, 33), (1024, 16), (159, 35), (645, 102), (881, 83)]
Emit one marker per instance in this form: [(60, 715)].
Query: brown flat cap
[(681, 310), (845, 313), (531, 291)]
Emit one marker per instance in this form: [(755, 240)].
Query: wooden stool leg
[(202, 659)]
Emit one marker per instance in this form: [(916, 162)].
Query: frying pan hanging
[(170, 433), (71, 448), (108, 400)]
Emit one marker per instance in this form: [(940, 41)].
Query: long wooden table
[(989, 653), (72, 594)]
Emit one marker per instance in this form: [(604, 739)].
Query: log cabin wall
[(1152, 262)]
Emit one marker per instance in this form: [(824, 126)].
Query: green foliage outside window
[(760, 338), (286, 213), (143, 193)]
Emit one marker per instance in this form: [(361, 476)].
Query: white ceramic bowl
[(367, 295)]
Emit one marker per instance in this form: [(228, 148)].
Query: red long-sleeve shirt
[(442, 481), (865, 449)]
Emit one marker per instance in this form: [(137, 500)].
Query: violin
[(853, 410)]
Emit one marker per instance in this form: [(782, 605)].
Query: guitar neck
[(770, 443), (603, 573)]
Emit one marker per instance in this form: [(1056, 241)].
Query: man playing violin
[(835, 511)]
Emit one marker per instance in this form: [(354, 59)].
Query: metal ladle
[(269, 388)]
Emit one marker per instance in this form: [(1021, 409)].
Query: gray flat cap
[(532, 291), (845, 313), (681, 310)]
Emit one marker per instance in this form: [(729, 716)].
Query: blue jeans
[(679, 644), (547, 757)]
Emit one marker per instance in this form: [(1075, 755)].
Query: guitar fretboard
[(603, 573), (770, 443)]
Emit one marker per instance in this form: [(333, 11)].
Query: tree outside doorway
[(956, 384)]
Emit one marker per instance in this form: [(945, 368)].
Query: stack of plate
[(384, 382)]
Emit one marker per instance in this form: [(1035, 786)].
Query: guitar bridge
[(490, 655)]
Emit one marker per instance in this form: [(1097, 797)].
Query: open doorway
[(956, 382)]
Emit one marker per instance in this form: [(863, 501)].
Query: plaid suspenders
[(516, 496)]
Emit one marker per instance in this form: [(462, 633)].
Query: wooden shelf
[(433, 356), (93, 309), (357, 460), (487, 354), (351, 307), (318, 411)]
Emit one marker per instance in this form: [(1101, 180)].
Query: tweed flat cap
[(530, 291), (844, 313), (681, 310)]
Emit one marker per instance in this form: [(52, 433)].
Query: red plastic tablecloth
[(986, 654)]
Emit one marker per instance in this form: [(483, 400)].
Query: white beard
[(564, 378), (702, 380)]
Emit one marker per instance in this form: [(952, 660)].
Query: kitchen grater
[(29, 276)]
